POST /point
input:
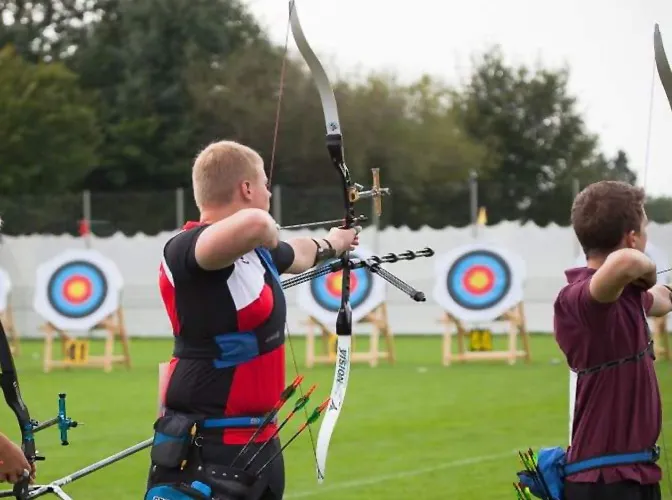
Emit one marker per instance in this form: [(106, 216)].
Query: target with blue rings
[(479, 279), (77, 289), (326, 290)]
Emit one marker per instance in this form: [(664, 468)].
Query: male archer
[(600, 325), (219, 281)]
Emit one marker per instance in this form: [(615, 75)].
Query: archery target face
[(478, 283), (655, 254), (5, 289), (77, 289), (321, 297)]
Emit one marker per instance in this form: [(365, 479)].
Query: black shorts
[(626, 490), (273, 478)]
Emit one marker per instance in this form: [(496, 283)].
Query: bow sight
[(355, 192)]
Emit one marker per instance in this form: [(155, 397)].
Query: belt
[(647, 456), (229, 422), (225, 422)]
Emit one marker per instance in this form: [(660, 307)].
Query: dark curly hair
[(604, 212)]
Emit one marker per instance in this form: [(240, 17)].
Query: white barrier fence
[(546, 251)]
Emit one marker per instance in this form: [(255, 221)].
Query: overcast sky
[(607, 44)]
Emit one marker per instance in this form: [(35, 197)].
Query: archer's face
[(638, 239), (260, 194), (643, 235)]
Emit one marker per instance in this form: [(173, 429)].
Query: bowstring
[(276, 129), (281, 88)]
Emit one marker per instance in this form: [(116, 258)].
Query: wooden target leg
[(10, 327), (109, 347), (447, 340), (389, 341), (661, 341), (522, 323), (461, 334), (513, 344), (48, 348), (374, 350), (123, 337), (310, 344)]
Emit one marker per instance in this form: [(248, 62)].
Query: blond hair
[(218, 169)]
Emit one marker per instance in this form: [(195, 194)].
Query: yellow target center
[(479, 280), (337, 282)]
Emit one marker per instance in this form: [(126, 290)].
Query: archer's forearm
[(305, 250), (662, 301)]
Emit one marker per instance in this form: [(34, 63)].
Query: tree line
[(118, 96)]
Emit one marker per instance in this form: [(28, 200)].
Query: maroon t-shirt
[(618, 409)]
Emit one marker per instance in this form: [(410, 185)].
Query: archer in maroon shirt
[(599, 316)]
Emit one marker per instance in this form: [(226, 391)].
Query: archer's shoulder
[(184, 240), (577, 288)]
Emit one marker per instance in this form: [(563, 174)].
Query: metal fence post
[(276, 204), (86, 215), (576, 187), (473, 196), (179, 207)]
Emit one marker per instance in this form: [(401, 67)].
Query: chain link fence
[(456, 204)]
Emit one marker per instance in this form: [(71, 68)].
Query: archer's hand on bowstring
[(344, 239), (13, 462)]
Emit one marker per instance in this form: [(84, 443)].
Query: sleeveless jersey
[(239, 312)]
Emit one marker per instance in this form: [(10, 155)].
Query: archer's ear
[(245, 190)]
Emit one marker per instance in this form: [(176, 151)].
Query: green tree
[(408, 132), (659, 209), (48, 128), (136, 57), (537, 141), (46, 30)]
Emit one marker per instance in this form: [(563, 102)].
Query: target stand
[(78, 292), (661, 339), (75, 351), (517, 328), (477, 284), (7, 319), (320, 299), (380, 327), (6, 315)]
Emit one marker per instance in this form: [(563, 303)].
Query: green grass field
[(412, 430)]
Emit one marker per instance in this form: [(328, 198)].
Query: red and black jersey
[(229, 329)]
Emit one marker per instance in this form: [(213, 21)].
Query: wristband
[(323, 253)]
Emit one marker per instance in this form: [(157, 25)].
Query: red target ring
[(77, 289), (335, 283), (478, 280)]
